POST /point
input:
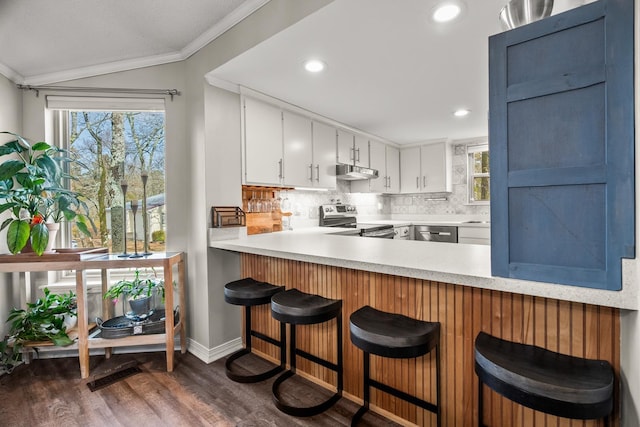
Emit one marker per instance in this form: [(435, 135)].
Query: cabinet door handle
[(417, 182), (352, 154), (389, 182), (424, 181), (280, 169), (311, 172), (358, 159), (318, 173)]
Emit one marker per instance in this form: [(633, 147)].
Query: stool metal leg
[(438, 401), (293, 351), (480, 424), (366, 391), (248, 333)]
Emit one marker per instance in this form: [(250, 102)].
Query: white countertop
[(455, 263)]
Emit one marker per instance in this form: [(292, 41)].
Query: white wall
[(630, 320), (10, 120), (214, 121)]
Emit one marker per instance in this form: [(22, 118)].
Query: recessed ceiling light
[(314, 65), (446, 11), (461, 112)]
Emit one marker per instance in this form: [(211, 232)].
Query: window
[(478, 173), (119, 142)]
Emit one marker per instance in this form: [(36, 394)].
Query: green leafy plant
[(43, 320), (136, 288), (32, 189)]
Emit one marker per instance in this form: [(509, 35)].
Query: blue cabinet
[(561, 139)]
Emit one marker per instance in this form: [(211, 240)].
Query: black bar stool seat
[(394, 336), (298, 308), (543, 380), (249, 292)]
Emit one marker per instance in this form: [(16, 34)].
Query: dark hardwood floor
[(49, 392)]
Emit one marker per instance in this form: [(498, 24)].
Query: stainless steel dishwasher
[(436, 233)]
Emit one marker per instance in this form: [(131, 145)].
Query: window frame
[(471, 149), (58, 108)]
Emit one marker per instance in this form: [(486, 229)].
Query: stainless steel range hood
[(353, 173)]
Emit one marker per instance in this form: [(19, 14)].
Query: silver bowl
[(521, 12)]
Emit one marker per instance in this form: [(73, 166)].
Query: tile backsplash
[(304, 204)]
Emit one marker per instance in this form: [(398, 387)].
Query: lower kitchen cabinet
[(474, 235)]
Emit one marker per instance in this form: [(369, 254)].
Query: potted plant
[(32, 189), (47, 319), (138, 296)]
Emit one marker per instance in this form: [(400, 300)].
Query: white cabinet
[(386, 160), (352, 149), (345, 147), (361, 150), (474, 235), (393, 169), (262, 149), (435, 164), (410, 170), (284, 148), (298, 150), (426, 169), (309, 152), (324, 155)]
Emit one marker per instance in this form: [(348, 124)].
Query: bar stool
[(249, 292), (298, 308), (395, 336), (543, 380)]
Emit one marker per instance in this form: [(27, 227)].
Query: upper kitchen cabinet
[(262, 148), (561, 127), (298, 150), (386, 160), (309, 152), (426, 169), (324, 155), (352, 149), (435, 164)]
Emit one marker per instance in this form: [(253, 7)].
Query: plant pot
[(53, 228), (138, 308)]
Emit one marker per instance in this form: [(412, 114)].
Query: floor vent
[(113, 375)]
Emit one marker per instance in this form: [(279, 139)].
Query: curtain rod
[(37, 89)]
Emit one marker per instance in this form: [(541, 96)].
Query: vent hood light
[(353, 173), (461, 112), (314, 66), (447, 11)]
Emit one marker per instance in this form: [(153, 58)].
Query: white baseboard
[(208, 355)]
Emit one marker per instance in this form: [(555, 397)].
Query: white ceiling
[(391, 71), (45, 41)]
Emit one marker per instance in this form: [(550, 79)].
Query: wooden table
[(80, 262)]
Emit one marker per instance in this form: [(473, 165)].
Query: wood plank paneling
[(570, 328)]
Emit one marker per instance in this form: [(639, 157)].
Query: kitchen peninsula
[(445, 282)]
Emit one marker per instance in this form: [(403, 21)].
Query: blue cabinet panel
[(566, 129), (558, 52), (561, 135)]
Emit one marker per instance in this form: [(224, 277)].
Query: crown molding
[(11, 74), (237, 15)]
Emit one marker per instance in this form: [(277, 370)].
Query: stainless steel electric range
[(345, 216)]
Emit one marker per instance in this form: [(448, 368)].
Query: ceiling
[(46, 41), (391, 71)]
